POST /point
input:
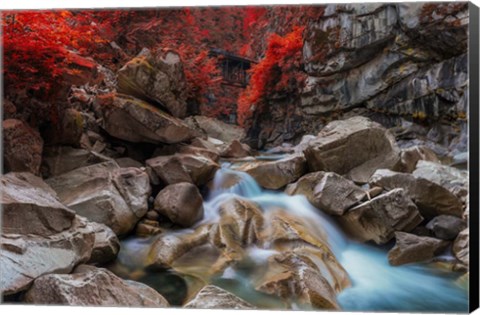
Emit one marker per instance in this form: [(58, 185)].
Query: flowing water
[(376, 286)]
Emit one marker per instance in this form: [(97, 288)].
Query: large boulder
[(214, 128), (461, 247), (378, 219), (446, 227), (105, 193), (158, 78), (431, 198), (178, 168), (327, 191), (213, 297), (91, 286), (409, 158), (453, 179), (134, 120), (30, 206), (30, 256), (22, 147), (410, 248), (181, 203), (276, 174), (354, 147), (236, 149)]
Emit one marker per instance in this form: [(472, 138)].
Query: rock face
[(410, 248), (30, 206), (354, 147), (212, 297), (105, 193), (461, 247), (431, 199), (378, 219), (446, 227), (134, 120), (22, 147), (178, 168), (90, 286), (28, 257), (216, 129), (327, 191), (276, 174), (181, 203), (157, 78)]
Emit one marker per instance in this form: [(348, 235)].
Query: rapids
[(376, 286)]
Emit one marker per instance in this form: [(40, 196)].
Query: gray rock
[(106, 245), (461, 248), (213, 297), (91, 286), (410, 248), (378, 219), (214, 128), (446, 227), (327, 191)]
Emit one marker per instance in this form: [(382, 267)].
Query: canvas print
[(300, 157)]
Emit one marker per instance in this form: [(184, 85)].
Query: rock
[(30, 206), (215, 128), (327, 191), (27, 257), (180, 168), (133, 120), (181, 203), (193, 150), (378, 219), (354, 147), (22, 147), (91, 286), (106, 245), (409, 158), (292, 276), (212, 297), (152, 215), (446, 227), (276, 174), (80, 70), (455, 180), (236, 150), (62, 159), (105, 193), (461, 247), (411, 248), (68, 131), (431, 199), (157, 78), (128, 162), (144, 229)]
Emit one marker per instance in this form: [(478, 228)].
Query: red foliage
[(35, 43), (278, 72)]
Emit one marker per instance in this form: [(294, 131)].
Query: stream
[(376, 286)]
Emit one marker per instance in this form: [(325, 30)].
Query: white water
[(376, 286)]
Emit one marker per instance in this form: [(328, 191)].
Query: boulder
[(453, 179), (446, 227), (157, 78), (236, 149), (181, 203), (354, 147), (213, 297), (293, 276), (134, 120), (30, 206), (106, 245), (68, 131), (379, 218), (178, 168), (327, 191), (214, 128), (276, 174), (91, 286), (194, 150), (410, 156), (431, 198), (105, 193), (22, 147), (461, 247), (63, 159), (27, 257), (410, 248)]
